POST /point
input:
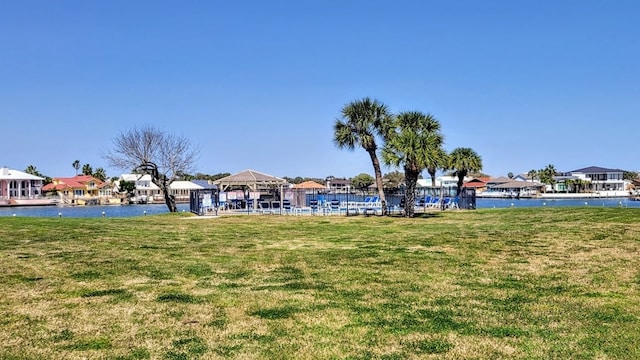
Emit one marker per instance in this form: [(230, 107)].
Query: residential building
[(77, 190), (446, 181), (18, 185), (146, 190), (602, 179), (338, 185)]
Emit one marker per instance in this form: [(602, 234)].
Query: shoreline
[(568, 196)]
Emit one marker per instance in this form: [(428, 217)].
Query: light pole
[(247, 194)]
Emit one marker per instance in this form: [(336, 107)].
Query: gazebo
[(254, 180), (250, 183)]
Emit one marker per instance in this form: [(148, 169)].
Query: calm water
[(119, 211), (140, 210)]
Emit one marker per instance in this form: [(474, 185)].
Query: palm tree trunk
[(461, 175), (378, 173), (411, 178), (432, 173)]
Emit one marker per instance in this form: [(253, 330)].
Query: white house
[(18, 186), (147, 191), (444, 181)]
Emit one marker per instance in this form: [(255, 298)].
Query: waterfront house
[(16, 187), (77, 190), (603, 179), (446, 181), (338, 185), (181, 189), (479, 183), (504, 187), (145, 191)]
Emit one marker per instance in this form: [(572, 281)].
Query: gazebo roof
[(309, 185), (249, 178)]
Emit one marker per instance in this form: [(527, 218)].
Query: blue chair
[(313, 204)]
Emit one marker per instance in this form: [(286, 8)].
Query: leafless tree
[(163, 156)]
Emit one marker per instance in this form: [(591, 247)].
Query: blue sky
[(259, 84)]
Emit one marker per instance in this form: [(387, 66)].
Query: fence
[(324, 201)]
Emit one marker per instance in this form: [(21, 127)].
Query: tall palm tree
[(438, 161), (76, 165), (463, 161), (100, 173), (87, 169), (360, 123), (532, 174), (547, 175), (412, 144), (32, 170)]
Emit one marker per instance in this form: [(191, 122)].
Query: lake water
[(119, 211), (123, 211)]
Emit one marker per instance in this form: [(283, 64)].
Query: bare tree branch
[(148, 150)]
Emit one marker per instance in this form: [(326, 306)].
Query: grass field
[(558, 283)]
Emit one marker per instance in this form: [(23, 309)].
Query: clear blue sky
[(258, 84)]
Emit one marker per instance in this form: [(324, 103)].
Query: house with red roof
[(478, 183), (77, 190)]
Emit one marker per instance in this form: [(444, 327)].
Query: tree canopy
[(360, 123), (148, 150), (413, 144)]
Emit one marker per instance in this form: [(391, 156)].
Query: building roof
[(184, 185), (10, 174), (76, 182), (596, 169), (249, 178), (135, 177), (499, 180), (205, 184), (309, 185)]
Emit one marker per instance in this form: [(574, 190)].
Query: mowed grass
[(513, 283)]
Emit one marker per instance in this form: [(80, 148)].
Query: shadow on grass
[(427, 215)]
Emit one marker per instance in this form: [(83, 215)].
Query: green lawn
[(511, 283)]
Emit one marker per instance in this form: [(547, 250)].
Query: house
[(77, 190), (338, 185), (504, 187), (145, 191), (479, 183), (602, 179), (16, 187), (181, 189), (446, 181)]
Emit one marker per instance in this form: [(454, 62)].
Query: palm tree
[(569, 185), (532, 174), (100, 174), (437, 161), (32, 170), (360, 123), (412, 144), (547, 174), (463, 161), (76, 165), (87, 169)]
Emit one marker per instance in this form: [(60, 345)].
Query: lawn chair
[(313, 204), (286, 206), (335, 207)]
